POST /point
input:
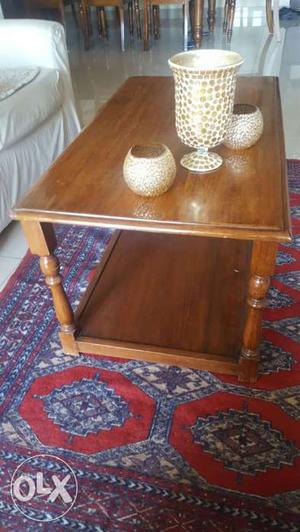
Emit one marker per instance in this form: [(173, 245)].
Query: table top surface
[(245, 198)]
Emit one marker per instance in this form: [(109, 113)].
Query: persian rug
[(153, 447)]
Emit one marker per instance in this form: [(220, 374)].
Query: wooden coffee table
[(184, 278)]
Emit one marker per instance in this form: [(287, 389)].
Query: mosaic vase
[(205, 82)]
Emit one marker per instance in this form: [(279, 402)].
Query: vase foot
[(198, 162)]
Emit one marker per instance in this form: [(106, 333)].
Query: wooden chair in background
[(196, 16), (74, 10), (152, 20), (39, 7), (272, 16), (85, 16)]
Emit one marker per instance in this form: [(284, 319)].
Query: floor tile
[(7, 268), (12, 242), (292, 147)]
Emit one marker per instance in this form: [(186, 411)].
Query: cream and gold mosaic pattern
[(205, 82), (246, 127), (149, 170), (207, 161), (203, 106)]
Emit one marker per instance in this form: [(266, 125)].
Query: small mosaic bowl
[(246, 127), (149, 170)]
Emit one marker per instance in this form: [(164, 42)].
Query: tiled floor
[(100, 71)]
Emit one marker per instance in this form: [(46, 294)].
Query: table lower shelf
[(168, 298)]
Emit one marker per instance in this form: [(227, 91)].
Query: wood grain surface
[(245, 199), (170, 291)]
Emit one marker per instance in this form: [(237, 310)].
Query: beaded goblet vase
[(205, 82)]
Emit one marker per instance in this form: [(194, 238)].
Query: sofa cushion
[(25, 110)]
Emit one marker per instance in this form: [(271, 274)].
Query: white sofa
[(39, 120)]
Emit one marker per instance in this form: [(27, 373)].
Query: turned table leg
[(103, 22), (99, 23), (185, 25), (122, 27), (42, 242), (156, 22), (146, 25), (198, 21), (137, 18), (83, 16), (74, 12), (269, 15), (225, 16), (211, 17), (262, 266), (230, 17), (130, 18)]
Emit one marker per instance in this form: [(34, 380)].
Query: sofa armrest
[(25, 43), (33, 43)]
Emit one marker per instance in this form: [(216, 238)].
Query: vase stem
[(202, 150)]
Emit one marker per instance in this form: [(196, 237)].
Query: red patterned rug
[(153, 447)]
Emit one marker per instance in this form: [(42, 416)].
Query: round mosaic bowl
[(149, 170), (246, 127)]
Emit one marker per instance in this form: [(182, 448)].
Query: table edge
[(172, 227)]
